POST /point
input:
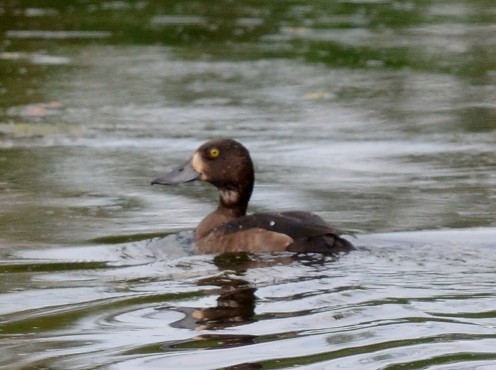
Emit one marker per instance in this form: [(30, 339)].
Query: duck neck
[(234, 200), (233, 203)]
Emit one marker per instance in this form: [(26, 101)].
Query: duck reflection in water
[(236, 297), (236, 300)]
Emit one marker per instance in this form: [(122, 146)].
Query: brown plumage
[(227, 165)]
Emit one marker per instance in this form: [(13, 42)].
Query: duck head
[(224, 163)]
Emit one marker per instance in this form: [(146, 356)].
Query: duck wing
[(310, 233)]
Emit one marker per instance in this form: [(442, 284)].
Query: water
[(377, 115)]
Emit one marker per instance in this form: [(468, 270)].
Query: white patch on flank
[(272, 223)]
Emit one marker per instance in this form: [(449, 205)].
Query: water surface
[(377, 115)]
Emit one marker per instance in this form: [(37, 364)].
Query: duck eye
[(213, 153)]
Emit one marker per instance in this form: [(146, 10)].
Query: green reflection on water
[(57, 89), (69, 315), (45, 47)]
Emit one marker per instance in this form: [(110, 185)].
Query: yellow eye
[(214, 153)]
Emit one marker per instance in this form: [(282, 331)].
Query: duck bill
[(179, 175)]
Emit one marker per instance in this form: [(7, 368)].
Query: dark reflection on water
[(377, 115), (236, 302), (235, 305), (406, 299)]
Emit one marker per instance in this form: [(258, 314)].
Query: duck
[(226, 164)]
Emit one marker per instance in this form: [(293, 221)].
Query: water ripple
[(391, 305)]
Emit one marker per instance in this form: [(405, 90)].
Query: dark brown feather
[(310, 233), (226, 164)]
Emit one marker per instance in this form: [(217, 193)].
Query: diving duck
[(226, 164)]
